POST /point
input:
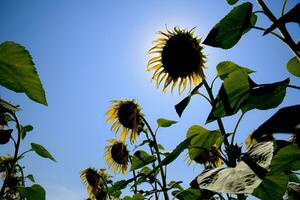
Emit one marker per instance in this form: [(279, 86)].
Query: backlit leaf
[(230, 29), (17, 72), (293, 66), (161, 122), (140, 159), (35, 192), (41, 151)]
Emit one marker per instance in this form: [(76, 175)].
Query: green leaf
[(188, 194), (35, 192), (117, 186), (203, 139), (41, 151), (286, 120), (30, 177), (293, 66), (160, 147), (161, 122), (140, 159), (17, 72), (294, 178), (230, 29), (226, 67), (272, 187), (180, 107), (176, 152), (232, 94), (231, 2), (24, 130), (137, 196), (286, 159), (266, 96), (8, 107), (175, 184)]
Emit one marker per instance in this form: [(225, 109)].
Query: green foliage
[(137, 196), (140, 159), (232, 2), (25, 130), (293, 66), (41, 151), (230, 29), (227, 67), (35, 192), (161, 122), (17, 72), (272, 188), (30, 177), (286, 159), (203, 139), (188, 194)]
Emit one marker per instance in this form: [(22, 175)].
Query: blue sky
[(90, 52)]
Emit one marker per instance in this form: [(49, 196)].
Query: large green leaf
[(188, 194), (41, 151), (140, 159), (161, 122), (273, 187), (286, 120), (286, 159), (203, 139), (136, 196), (17, 72), (232, 94), (293, 66), (265, 96), (117, 186), (35, 192), (230, 29), (226, 67)]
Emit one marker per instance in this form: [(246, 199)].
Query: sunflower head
[(95, 182), (209, 157), (125, 114), (117, 156), (178, 58)]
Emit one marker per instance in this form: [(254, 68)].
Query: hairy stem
[(163, 176)]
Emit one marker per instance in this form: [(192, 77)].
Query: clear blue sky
[(90, 52)]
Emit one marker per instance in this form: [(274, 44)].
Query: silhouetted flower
[(178, 59), (125, 114), (116, 156), (208, 157), (94, 180)]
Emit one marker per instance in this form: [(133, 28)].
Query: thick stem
[(163, 176), (289, 41), (15, 159), (153, 165), (134, 177)]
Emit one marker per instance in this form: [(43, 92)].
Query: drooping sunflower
[(125, 114), (95, 182), (117, 156), (178, 59), (208, 157)]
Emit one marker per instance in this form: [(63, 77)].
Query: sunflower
[(125, 113), (117, 156), (178, 59), (95, 182), (208, 157)]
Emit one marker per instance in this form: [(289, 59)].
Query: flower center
[(127, 114), (119, 153), (92, 177), (181, 56)]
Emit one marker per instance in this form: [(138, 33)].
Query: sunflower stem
[(134, 177), (153, 165), (15, 159), (283, 30), (163, 175)]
